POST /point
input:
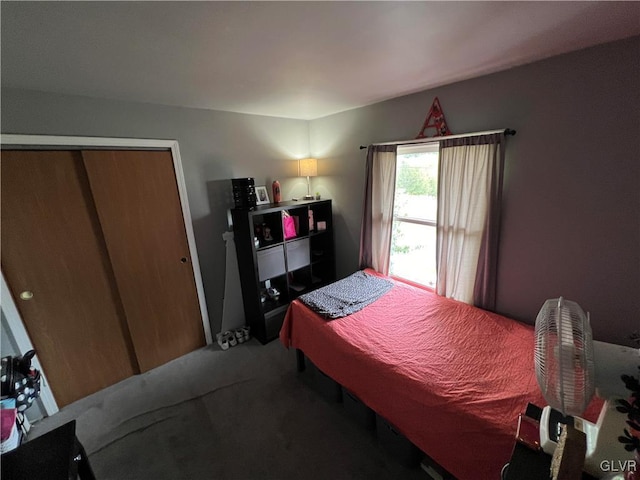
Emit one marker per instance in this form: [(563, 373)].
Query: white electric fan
[(570, 367)]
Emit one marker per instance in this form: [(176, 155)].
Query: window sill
[(414, 284)]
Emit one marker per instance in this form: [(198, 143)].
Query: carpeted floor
[(236, 414)]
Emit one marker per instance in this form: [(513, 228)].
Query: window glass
[(413, 242)]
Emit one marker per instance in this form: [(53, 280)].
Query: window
[(413, 234)]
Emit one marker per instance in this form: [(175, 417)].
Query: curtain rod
[(506, 131)]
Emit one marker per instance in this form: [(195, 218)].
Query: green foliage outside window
[(415, 181)]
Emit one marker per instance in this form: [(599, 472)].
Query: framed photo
[(262, 195)]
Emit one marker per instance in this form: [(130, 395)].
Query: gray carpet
[(236, 414)]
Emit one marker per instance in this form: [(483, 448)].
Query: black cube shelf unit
[(292, 266)]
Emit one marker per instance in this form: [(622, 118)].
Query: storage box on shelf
[(277, 262), (319, 381), (389, 437), (358, 411), (324, 384), (399, 446)]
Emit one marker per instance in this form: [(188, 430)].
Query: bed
[(451, 377)]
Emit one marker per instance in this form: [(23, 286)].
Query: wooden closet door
[(137, 200), (52, 246)]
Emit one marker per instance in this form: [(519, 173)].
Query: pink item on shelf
[(8, 422), (289, 226), (311, 222), (275, 187)]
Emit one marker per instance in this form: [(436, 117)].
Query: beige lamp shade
[(308, 167)]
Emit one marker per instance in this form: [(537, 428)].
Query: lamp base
[(309, 197)]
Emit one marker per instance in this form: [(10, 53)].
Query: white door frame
[(41, 142)]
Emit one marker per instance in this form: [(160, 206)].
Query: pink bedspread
[(451, 377)]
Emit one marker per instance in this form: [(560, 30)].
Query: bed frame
[(449, 377)]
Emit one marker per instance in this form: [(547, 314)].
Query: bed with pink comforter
[(451, 377)]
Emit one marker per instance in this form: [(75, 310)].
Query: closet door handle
[(184, 260), (26, 295)]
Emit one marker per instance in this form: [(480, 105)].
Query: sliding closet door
[(57, 268), (137, 200)]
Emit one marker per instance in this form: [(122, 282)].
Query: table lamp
[(308, 167)]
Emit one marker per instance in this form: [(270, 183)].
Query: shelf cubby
[(293, 266)]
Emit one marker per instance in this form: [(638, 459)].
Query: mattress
[(451, 377)]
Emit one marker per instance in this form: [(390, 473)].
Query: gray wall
[(571, 211), (571, 217), (214, 146)]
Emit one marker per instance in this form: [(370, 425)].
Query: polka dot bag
[(20, 380)]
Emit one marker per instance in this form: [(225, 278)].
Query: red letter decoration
[(435, 119)]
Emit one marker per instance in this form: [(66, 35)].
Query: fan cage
[(564, 356)]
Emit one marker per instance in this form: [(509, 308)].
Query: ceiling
[(288, 59)]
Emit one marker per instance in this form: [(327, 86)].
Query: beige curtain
[(469, 193), (375, 235)]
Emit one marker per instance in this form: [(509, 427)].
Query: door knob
[(184, 259), (26, 295)]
